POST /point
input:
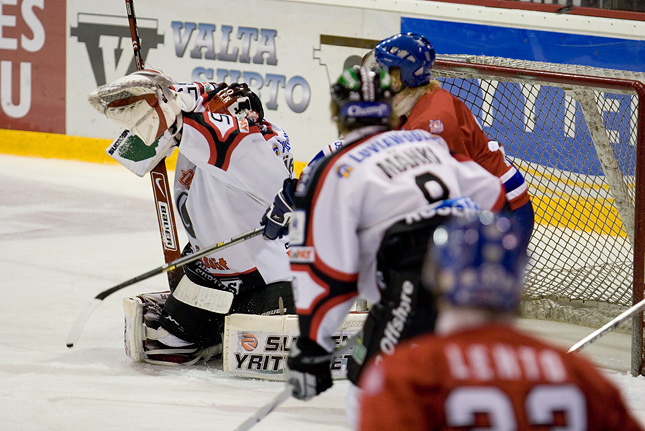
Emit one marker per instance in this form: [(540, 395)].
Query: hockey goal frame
[(580, 79)]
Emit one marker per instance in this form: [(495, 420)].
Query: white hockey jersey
[(345, 203), (228, 173)]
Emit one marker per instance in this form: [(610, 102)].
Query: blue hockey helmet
[(477, 261), (362, 96), (411, 53)]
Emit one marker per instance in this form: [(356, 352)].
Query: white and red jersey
[(443, 114), (345, 203), (489, 377), (228, 173)]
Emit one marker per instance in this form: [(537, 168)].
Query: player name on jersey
[(504, 362)]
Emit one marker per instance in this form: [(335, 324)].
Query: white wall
[(289, 51)]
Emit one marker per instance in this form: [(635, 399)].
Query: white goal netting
[(575, 141)]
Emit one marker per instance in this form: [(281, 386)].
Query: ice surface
[(69, 230)]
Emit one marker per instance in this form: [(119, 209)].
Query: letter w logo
[(109, 46)]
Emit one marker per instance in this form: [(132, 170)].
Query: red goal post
[(577, 134)]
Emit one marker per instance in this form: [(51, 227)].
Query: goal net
[(576, 134)]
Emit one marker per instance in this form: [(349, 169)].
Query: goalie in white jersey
[(383, 192), (231, 162)]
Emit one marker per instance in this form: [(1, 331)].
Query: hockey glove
[(276, 218), (308, 369), (143, 102)]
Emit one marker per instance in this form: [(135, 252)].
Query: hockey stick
[(613, 324), (263, 411), (81, 320), (159, 174)]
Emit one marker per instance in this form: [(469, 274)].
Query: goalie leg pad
[(206, 298), (138, 310), (134, 332), (146, 341), (274, 298), (199, 326)]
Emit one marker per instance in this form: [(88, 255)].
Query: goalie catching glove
[(308, 369), (142, 102)]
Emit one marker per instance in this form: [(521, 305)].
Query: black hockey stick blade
[(82, 319), (283, 396)]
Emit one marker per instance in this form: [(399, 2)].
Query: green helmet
[(363, 97)]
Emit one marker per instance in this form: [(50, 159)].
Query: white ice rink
[(69, 230)]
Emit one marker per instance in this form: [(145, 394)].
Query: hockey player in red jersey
[(383, 191), (421, 103), (478, 371), (231, 162)]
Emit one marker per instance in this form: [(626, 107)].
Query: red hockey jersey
[(443, 114), (490, 377)]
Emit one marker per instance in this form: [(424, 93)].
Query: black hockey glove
[(276, 219), (308, 369)]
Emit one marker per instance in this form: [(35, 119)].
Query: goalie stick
[(610, 326), (263, 411), (158, 175), (79, 324)]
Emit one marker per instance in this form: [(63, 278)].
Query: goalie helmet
[(362, 97), (237, 100), (411, 53), (477, 261)]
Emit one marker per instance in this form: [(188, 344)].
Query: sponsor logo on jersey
[(459, 207), (366, 110), (249, 342), (385, 141), (208, 87), (230, 284), (435, 126), (344, 170), (297, 227), (186, 177), (301, 254), (276, 149), (243, 125), (214, 263), (284, 142), (182, 198)]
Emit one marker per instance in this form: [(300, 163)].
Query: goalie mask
[(362, 97), (237, 100), (477, 261)]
